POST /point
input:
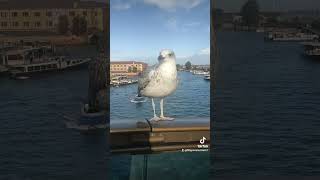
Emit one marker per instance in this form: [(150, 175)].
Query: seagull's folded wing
[(146, 77)]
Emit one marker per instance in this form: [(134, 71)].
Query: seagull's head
[(166, 55)]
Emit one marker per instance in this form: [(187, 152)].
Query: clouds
[(167, 5), (205, 51), (171, 5), (179, 26), (202, 57), (171, 24), (122, 6), (150, 25)]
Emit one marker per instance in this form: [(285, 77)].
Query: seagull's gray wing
[(146, 77)]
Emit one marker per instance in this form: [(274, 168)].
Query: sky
[(269, 5), (140, 29)]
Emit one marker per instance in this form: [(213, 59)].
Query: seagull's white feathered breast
[(160, 81)]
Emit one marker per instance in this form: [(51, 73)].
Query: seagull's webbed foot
[(163, 118), (155, 118)]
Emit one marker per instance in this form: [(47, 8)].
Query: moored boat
[(198, 72), (312, 49), (291, 36), (23, 61), (122, 80), (59, 63), (207, 77)]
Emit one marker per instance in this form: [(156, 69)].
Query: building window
[(95, 14), (26, 24), (3, 14), (84, 13), (37, 24), (37, 14), (15, 24), (4, 24), (25, 14), (72, 13), (50, 23), (14, 14), (49, 13)]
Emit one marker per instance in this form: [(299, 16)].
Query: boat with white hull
[(58, 63), (285, 36), (122, 80), (195, 72), (207, 77), (25, 61)]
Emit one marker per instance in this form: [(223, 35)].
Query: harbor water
[(191, 99), (34, 143), (267, 104), (267, 109)]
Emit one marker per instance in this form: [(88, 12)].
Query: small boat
[(87, 121), (200, 73), (207, 77), (21, 77), (312, 49), (291, 36), (122, 80), (138, 99)]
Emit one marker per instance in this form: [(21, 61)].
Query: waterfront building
[(127, 68), (43, 15)]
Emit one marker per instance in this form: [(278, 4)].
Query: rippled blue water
[(267, 108), (34, 143), (191, 99)]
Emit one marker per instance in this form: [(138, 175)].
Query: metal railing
[(147, 137)]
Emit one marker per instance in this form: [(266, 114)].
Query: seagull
[(160, 81)]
